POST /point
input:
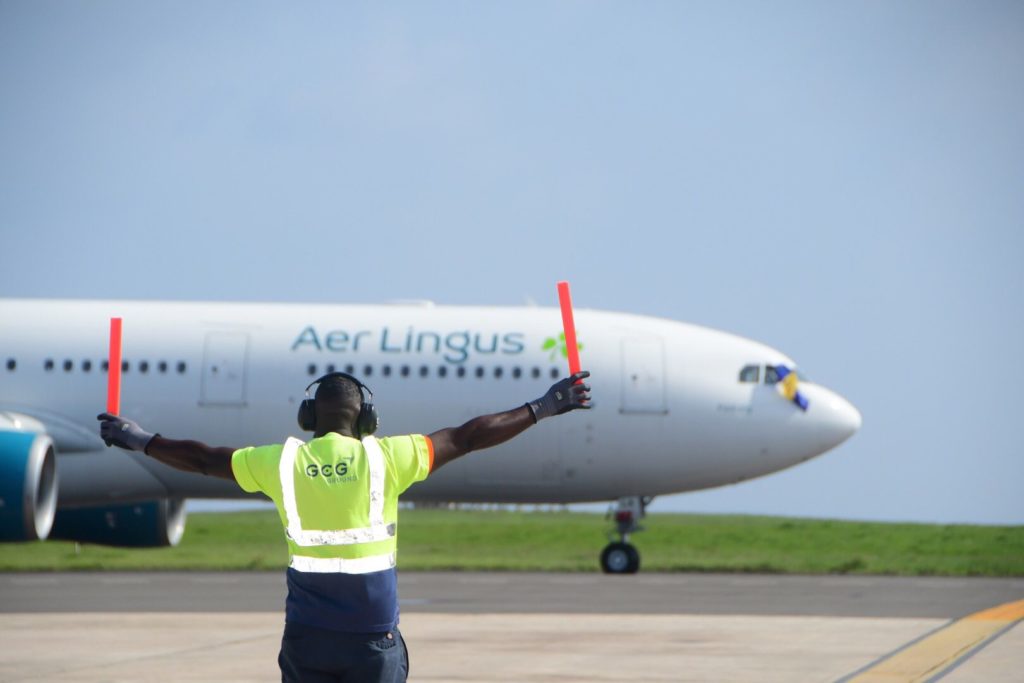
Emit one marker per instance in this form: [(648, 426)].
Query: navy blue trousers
[(316, 655)]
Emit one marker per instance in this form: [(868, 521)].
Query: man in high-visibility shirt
[(337, 497)]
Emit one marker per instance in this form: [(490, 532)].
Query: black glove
[(563, 396), (117, 431)]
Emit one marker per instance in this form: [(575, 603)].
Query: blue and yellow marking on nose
[(789, 385)]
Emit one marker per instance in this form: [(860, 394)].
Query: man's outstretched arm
[(490, 430), (190, 456)]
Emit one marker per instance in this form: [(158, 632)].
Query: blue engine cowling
[(149, 524), (28, 485)]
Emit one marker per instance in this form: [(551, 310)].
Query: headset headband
[(345, 375)]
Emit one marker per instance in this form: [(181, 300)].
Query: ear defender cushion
[(307, 415), (368, 419)]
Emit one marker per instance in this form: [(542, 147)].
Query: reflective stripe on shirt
[(336, 565), (377, 531)]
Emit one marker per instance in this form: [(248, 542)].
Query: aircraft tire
[(620, 558)]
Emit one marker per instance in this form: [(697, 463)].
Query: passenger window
[(350, 369), (144, 366), (770, 375), (517, 372), (461, 371), (386, 371), (162, 366), (367, 370), (535, 373), (405, 371), (68, 365), (105, 365), (750, 374), (479, 372), (554, 373), (311, 369), (11, 364), (498, 372), (442, 371), (86, 366), (48, 365), (330, 367), (182, 367), (424, 371), (124, 366)]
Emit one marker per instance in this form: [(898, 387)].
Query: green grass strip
[(562, 541)]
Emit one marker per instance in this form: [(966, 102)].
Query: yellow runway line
[(1011, 611), (938, 652)]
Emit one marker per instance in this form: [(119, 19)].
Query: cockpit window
[(772, 377), (750, 374)]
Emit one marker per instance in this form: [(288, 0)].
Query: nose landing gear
[(621, 557)]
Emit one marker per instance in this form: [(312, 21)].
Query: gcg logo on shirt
[(331, 473)]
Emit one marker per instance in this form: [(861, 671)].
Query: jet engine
[(148, 524), (28, 485)]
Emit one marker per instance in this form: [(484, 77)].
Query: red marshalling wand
[(114, 368), (569, 327)]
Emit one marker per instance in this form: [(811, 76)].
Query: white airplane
[(676, 407)]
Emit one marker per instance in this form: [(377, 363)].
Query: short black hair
[(339, 391)]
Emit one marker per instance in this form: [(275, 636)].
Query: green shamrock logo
[(557, 345)]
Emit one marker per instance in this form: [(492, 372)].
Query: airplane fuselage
[(670, 413)]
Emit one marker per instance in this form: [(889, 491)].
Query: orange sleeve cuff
[(430, 452)]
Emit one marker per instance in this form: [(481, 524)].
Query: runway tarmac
[(504, 592), (529, 627)]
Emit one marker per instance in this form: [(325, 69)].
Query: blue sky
[(843, 181)]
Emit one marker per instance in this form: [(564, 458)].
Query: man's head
[(339, 407)]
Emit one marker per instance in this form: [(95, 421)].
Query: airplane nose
[(837, 418)]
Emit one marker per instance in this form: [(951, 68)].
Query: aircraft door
[(643, 376), (225, 356)]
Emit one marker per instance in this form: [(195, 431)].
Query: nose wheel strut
[(620, 556)]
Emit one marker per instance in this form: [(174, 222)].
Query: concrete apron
[(488, 647)]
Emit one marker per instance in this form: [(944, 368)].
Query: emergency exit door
[(643, 376), (225, 356)]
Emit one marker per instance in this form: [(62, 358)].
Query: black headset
[(368, 419)]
